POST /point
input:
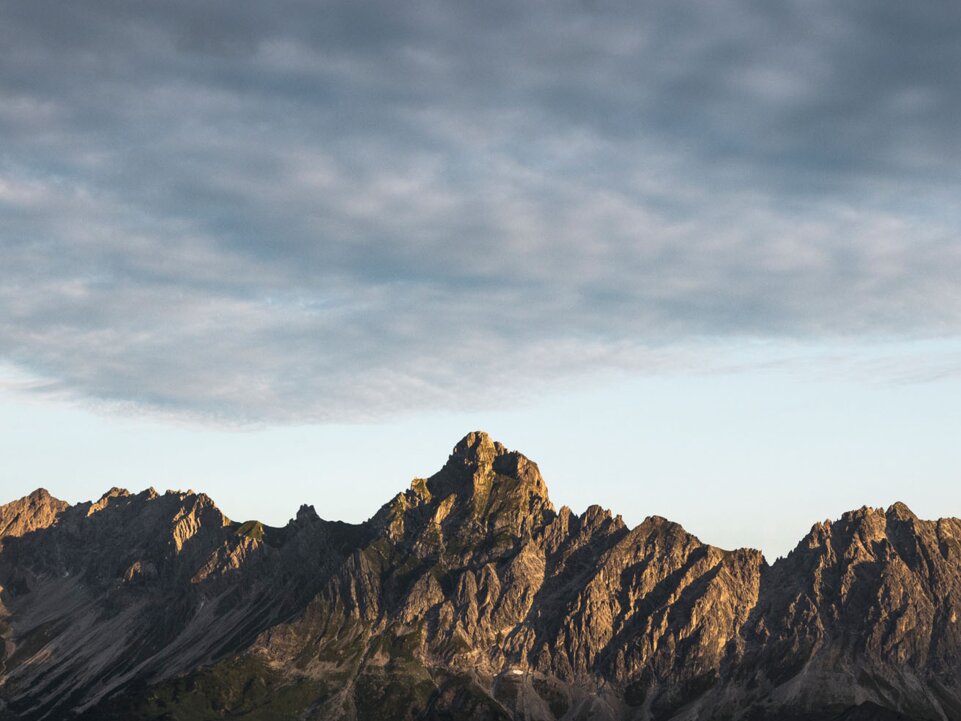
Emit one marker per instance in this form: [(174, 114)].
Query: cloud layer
[(331, 211)]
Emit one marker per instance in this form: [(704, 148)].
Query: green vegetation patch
[(252, 529), (461, 698), (506, 691), (402, 646), (392, 696), (555, 696), (345, 649), (241, 688)]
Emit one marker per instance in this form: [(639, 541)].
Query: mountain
[(468, 596)]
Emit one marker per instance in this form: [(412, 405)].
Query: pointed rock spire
[(479, 459), (38, 510), (475, 450), (901, 512)]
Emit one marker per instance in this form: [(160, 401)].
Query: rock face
[(468, 597)]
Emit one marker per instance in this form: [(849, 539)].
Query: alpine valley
[(468, 596)]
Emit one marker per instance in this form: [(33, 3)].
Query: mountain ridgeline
[(468, 596)]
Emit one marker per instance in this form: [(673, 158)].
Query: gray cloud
[(303, 211)]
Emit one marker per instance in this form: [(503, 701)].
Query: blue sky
[(307, 246), (747, 457)]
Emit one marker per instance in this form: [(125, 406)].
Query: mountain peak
[(40, 498), (901, 512), (38, 510), (475, 449), (306, 513), (482, 457), (472, 594)]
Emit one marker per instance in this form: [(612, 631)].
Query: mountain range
[(468, 596)]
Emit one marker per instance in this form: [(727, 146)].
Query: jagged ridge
[(468, 596)]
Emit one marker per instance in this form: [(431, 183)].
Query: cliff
[(468, 596)]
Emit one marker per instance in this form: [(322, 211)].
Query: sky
[(698, 260)]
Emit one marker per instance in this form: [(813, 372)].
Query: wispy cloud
[(335, 211)]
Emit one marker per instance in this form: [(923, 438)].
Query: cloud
[(304, 212)]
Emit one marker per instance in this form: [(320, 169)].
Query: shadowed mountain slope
[(468, 596)]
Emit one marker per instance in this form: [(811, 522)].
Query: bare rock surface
[(468, 596), (31, 513)]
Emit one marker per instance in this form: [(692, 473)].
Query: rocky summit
[(468, 596)]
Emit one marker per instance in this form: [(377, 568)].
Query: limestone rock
[(468, 596)]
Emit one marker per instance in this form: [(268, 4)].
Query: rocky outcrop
[(468, 596), (34, 512)]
